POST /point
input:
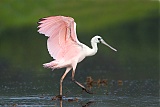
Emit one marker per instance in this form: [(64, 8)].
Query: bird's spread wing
[(62, 41)]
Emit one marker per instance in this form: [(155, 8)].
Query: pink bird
[(64, 46)]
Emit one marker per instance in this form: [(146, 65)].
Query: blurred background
[(132, 27)]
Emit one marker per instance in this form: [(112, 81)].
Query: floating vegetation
[(90, 83), (100, 82), (73, 100), (120, 82)]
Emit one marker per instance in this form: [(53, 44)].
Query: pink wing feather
[(62, 41)]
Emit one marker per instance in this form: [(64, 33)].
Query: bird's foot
[(83, 88), (88, 91)]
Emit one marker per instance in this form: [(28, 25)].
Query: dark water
[(107, 93)]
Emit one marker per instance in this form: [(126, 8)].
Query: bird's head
[(98, 39)]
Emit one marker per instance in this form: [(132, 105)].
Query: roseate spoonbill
[(64, 47)]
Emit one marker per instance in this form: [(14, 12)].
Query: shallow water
[(102, 101), (113, 93)]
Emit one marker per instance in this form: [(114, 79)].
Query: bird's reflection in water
[(72, 100), (89, 103)]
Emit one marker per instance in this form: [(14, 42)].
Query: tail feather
[(56, 64), (51, 65)]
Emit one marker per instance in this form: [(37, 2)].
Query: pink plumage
[(62, 43), (64, 47)]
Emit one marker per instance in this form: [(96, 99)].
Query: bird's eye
[(99, 39)]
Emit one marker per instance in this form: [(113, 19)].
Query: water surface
[(113, 93)]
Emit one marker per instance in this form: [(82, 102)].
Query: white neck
[(94, 49)]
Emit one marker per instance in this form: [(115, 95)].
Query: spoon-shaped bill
[(108, 45)]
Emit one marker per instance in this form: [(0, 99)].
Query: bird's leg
[(73, 73), (61, 80), (79, 84)]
